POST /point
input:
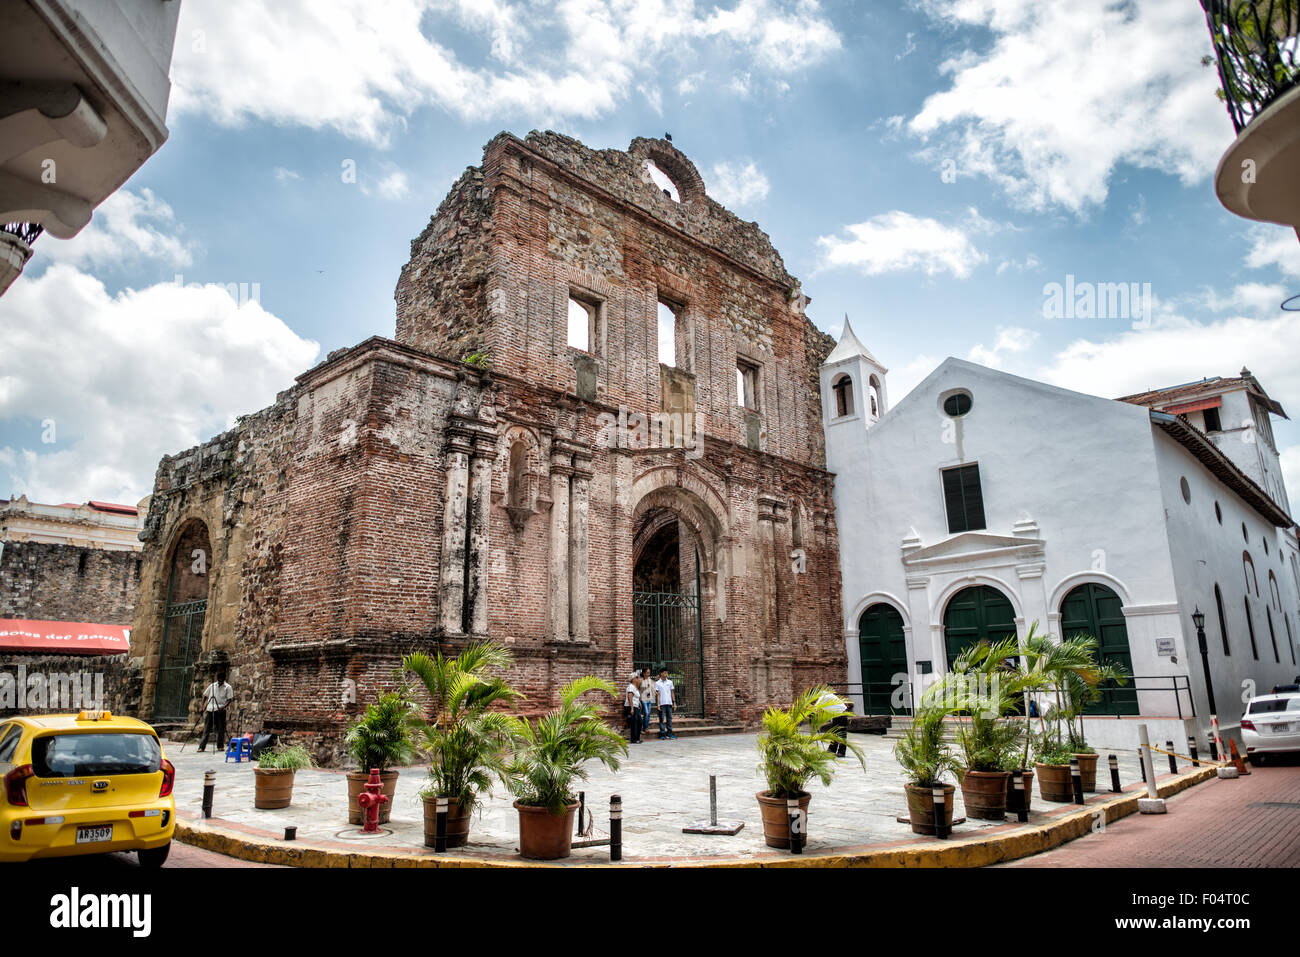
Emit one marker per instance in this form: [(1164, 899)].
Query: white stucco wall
[(1206, 552)]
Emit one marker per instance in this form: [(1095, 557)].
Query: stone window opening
[(1248, 570), (843, 389), (663, 182), (669, 334), (747, 385), (796, 525), (583, 323)]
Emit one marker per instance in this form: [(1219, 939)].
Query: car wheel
[(153, 857), (1257, 760)]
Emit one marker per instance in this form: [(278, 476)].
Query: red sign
[(63, 637)]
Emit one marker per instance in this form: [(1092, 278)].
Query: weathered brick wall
[(48, 582), (116, 680), (328, 512)]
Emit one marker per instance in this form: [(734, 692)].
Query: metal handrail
[(1257, 48)]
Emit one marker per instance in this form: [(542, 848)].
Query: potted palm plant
[(274, 774), (981, 688), (466, 739), (550, 759), (791, 757), (925, 757), (380, 739), (1080, 688)]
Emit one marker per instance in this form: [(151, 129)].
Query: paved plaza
[(664, 786)]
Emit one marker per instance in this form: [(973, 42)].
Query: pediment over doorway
[(973, 548)]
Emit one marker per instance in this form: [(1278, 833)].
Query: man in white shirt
[(632, 708), (217, 697), (664, 692)]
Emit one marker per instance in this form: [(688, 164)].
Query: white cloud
[(1274, 246), (245, 59), (393, 184), (1067, 91), (1012, 340), (129, 378), (1138, 360), (283, 175), (734, 184), (128, 227), (897, 241)]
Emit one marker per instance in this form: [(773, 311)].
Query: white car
[(1271, 725)]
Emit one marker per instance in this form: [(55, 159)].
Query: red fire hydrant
[(370, 800)]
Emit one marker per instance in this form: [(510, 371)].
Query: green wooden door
[(975, 614), (883, 652), (1093, 609)]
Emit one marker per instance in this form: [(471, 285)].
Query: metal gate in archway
[(667, 633), (181, 644)]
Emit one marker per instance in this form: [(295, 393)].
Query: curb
[(960, 852)]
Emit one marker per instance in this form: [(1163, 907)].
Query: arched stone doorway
[(882, 651), (1094, 609), (185, 611), (674, 570), (975, 614)]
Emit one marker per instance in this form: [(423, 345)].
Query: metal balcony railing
[(1257, 46), (27, 232)]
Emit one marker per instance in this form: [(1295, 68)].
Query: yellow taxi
[(84, 783)]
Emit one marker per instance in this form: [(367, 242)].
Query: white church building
[(985, 502)]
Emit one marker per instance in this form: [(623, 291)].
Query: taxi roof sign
[(95, 716)]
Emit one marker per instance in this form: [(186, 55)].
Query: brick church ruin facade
[(519, 463)]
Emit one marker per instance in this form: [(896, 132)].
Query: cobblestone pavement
[(1250, 822), (664, 786)]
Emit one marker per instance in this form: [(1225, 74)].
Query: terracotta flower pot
[(1087, 772), (1054, 783), (357, 785), (544, 836), (457, 823), (776, 818), (272, 787), (1013, 794), (920, 807), (985, 794)]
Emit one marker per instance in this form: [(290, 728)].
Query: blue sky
[(926, 168)]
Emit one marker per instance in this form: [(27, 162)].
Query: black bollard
[(291, 833), (1191, 749), (940, 822), (1114, 773), (440, 828), (582, 808), (1076, 777), (1018, 789), (1173, 761), (209, 787), (615, 828), (795, 817), (1214, 749)]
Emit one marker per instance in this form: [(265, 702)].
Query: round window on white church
[(957, 404), (1186, 490)]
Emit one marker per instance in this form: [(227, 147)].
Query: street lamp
[(1198, 619)]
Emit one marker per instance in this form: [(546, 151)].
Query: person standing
[(647, 697), (217, 697), (632, 708), (664, 695)]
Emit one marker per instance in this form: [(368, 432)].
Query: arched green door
[(1096, 610), (975, 614), (883, 652)]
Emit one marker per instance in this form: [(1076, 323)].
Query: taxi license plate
[(93, 835), (1283, 727)]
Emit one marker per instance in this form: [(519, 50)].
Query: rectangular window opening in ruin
[(746, 384), (667, 334), (584, 315)]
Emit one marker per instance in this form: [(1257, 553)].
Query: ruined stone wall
[(48, 582), (547, 217), (235, 485), (113, 682)]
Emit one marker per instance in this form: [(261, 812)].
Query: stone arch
[(186, 588), (519, 465), (1070, 582), (941, 603), (674, 164)]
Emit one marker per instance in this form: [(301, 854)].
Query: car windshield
[(1275, 704), (74, 755)]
